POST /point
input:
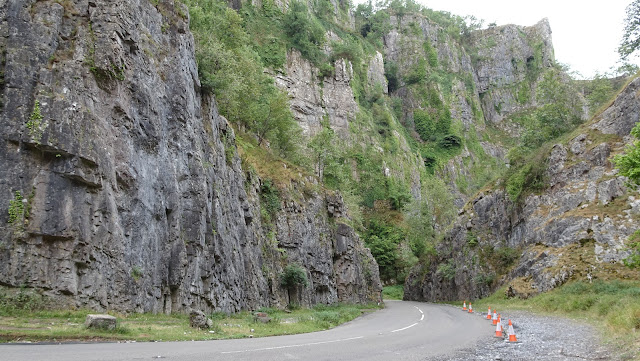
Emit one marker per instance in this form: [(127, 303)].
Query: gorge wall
[(124, 188), (574, 229)]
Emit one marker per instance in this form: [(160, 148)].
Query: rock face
[(508, 61), (123, 185), (314, 99), (574, 229)]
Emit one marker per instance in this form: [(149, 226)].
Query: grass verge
[(613, 307), (23, 325)]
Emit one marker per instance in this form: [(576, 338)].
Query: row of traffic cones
[(496, 320)]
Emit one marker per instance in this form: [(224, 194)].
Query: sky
[(585, 34)]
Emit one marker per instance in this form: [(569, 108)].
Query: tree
[(599, 92), (631, 34), (323, 147), (292, 278)]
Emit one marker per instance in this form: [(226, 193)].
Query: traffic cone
[(464, 306), (500, 322), (495, 318), (498, 330), (470, 308), (489, 314), (512, 334)]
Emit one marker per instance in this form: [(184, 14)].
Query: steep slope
[(574, 228), (122, 183)]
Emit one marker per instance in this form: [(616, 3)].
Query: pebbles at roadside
[(540, 338)]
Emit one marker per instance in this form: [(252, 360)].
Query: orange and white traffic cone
[(512, 334), (500, 322), (495, 318), (464, 306), (470, 308), (498, 330), (489, 314)]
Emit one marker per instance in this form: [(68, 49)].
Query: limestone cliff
[(122, 181), (575, 228)]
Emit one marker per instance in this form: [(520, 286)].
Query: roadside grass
[(395, 292), (613, 307), (24, 325)]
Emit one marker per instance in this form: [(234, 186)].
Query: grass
[(18, 325), (613, 307), (395, 292)]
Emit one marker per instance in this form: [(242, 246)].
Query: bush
[(633, 260), (447, 270), (293, 276), (304, 32)]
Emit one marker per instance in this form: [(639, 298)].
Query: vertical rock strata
[(126, 188)]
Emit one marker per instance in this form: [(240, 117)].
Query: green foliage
[(34, 124), (629, 162), (432, 55), (559, 110), (16, 209), (395, 292), (391, 72), (371, 24), (631, 34), (293, 276), (269, 200), (633, 260), (136, 273), (417, 73), (384, 239), (325, 155), (447, 270), (266, 32), (472, 240), (598, 91), (506, 256), (420, 231), (304, 32), (231, 68), (25, 299)]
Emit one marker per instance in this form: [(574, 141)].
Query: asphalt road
[(401, 331)]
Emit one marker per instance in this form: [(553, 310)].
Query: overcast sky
[(586, 34)]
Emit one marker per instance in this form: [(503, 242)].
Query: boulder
[(104, 322), (261, 317), (197, 319)]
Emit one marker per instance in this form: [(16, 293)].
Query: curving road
[(402, 331)]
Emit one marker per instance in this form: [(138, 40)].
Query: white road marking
[(291, 346), (402, 329)]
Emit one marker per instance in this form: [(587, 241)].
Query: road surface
[(401, 331)]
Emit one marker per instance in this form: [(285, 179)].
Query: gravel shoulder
[(539, 338)]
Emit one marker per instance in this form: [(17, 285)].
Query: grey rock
[(621, 117), (375, 73), (578, 145), (197, 319), (133, 204), (611, 189), (104, 322)]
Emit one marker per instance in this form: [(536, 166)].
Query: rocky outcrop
[(575, 229), (315, 98), (123, 185), (507, 62)]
